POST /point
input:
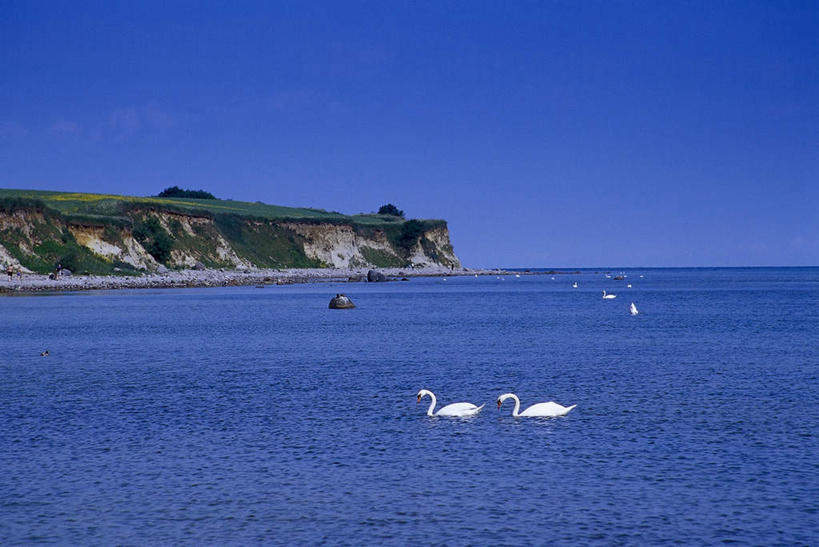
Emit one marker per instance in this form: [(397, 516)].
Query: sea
[(244, 415)]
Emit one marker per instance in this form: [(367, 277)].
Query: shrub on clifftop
[(390, 209), (177, 192)]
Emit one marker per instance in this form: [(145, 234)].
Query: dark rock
[(355, 278), (65, 272), (199, 266), (619, 277), (341, 302), (374, 276)]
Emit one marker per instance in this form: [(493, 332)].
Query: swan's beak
[(418, 400), (499, 404)]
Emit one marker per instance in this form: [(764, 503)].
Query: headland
[(83, 239)]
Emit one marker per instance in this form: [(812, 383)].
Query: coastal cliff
[(96, 234)]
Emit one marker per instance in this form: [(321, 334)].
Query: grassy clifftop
[(73, 203)]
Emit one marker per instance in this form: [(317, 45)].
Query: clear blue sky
[(550, 134)]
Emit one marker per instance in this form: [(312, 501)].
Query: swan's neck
[(432, 404), (516, 411)]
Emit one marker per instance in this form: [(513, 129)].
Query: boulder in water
[(374, 276), (341, 302)]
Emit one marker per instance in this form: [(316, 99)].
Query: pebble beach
[(30, 282)]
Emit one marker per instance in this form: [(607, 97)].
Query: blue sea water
[(259, 416)]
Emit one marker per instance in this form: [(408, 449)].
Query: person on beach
[(19, 273), (10, 271), (58, 271)]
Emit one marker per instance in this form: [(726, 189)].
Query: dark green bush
[(390, 209), (177, 192), (153, 237), (408, 235)]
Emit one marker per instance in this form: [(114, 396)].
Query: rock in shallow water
[(373, 276), (341, 302)]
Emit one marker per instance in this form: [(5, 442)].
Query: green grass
[(382, 259), (266, 245), (106, 205)]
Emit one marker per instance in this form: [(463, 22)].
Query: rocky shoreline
[(218, 278)]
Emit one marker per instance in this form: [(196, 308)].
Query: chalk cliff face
[(343, 246), (144, 239)]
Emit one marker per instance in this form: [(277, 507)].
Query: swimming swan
[(608, 296), (455, 409), (539, 410), (633, 309)]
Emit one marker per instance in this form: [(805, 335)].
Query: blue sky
[(552, 134)]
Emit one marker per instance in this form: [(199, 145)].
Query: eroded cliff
[(138, 238)]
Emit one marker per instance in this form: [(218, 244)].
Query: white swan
[(574, 285), (608, 296), (455, 409), (633, 309), (539, 410)]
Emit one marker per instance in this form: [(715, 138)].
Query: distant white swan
[(455, 409), (517, 275), (539, 410), (633, 309), (608, 296), (574, 285), (629, 285)]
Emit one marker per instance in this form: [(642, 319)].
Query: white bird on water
[(608, 296), (633, 309), (574, 285), (454, 410), (539, 410)]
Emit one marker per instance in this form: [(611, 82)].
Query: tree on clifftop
[(177, 192), (390, 209)]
